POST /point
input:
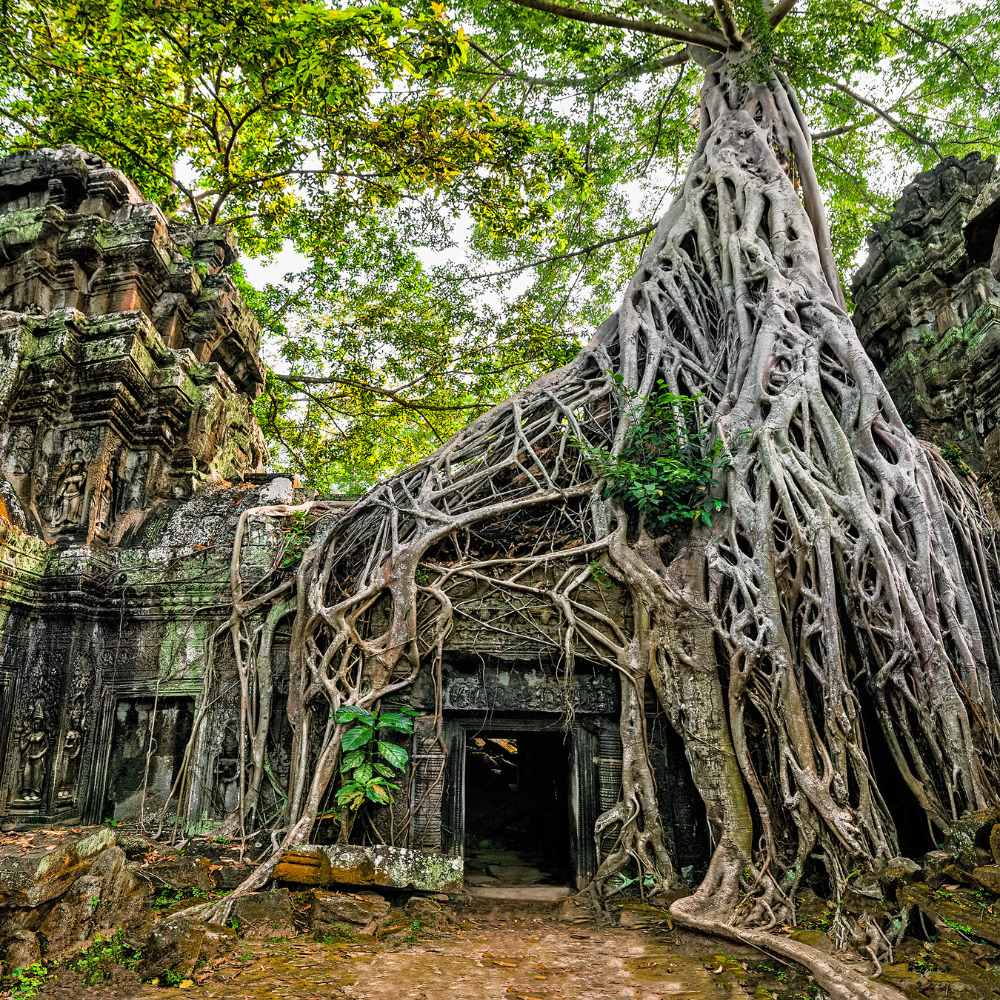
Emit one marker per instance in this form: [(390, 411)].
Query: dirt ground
[(516, 953)]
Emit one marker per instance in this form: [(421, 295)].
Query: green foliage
[(332, 130), (166, 897), (466, 202), (370, 760), (956, 925), (667, 464), (97, 962), (26, 981), (955, 457), (296, 539)]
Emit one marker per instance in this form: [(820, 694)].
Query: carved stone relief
[(520, 690), (70, 491), (35, 747)]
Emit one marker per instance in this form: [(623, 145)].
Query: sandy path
[(492, 955)]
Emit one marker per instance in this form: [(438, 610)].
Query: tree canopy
[(468, 184)]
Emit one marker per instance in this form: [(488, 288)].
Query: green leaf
[(350, 795), (396, 721), (357, 736), (378, 793), (363, 774), (384, 770), (354, 713), (396, 755), (352, 760)]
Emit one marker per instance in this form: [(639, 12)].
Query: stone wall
[(128, 448), (128, 451), (927, 308)]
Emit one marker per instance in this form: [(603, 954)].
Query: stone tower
[(128, 370)]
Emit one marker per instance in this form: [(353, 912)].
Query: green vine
[(668, 463)]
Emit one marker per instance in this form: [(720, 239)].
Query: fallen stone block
[(178, 944), (265, 914), (378, 865), (988, 876), (39, 874), (330, 911)]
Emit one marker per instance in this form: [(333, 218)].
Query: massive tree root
[(850, 564)]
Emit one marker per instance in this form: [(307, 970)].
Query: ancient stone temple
[(927, 307), (128, 451), (128, 370)]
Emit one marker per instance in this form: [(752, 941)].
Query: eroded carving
[(67, 505), (529, 691), (35, 745)]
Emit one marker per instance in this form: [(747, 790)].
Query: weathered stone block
[(36, 876), (22, 950), (988, 876), (265, 914), (179, 944), (382, 865), (364, 910), (180, 872)]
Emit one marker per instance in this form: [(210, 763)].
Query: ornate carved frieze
[(129, 362), (495, 689), (129, 365)]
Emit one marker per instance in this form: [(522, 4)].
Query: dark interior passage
[(517, 809)]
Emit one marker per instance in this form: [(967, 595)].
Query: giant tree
[(833, 560)]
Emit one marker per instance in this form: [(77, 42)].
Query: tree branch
[(930, 39), (883, 114), (780, 11), (724, 12), (636, 68), (407, 404), (707, 39), (566, 256)]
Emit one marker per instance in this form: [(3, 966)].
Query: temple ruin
[(129, 366)]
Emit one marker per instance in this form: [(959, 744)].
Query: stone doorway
[(545, 791), (147, 745), (517, 809)]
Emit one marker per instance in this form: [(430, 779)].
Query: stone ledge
[(379, 865)]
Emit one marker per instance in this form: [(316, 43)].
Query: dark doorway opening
[(147, 746), (517, 829)]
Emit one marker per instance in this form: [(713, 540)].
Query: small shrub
[(955, 457), (370, 759), (25, 981), (296, 540), (667, 463), (96, 963)]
